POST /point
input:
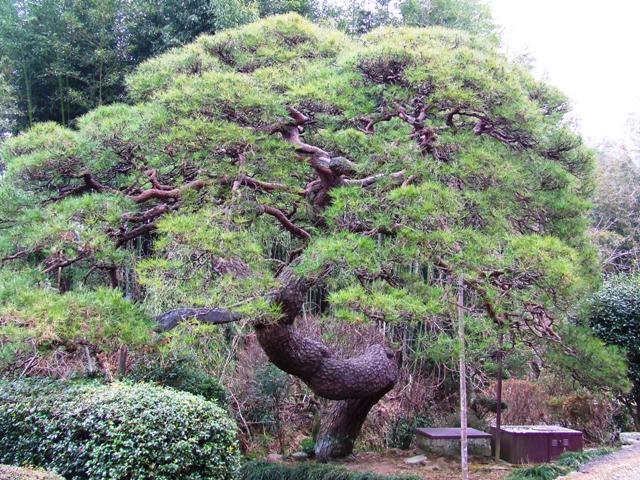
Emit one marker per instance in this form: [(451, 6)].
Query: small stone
[(274, 458), (630, 438), (299, 456), (415, 460)]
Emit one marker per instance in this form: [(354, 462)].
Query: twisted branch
[(284, 220)]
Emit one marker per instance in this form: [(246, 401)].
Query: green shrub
[(308, 471), (546, 471), (117, 431), (183, 375), (567, 462), (403, 431), (308, 446), (265, 401), (574, 460)]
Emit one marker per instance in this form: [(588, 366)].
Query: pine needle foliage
[(439, 153)]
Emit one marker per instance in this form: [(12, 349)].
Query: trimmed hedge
[(117, 431), (307, 471)]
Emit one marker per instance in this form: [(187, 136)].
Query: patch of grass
[(307, 471), (567, 462), (546, 471)]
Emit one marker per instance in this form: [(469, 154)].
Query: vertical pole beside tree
[(464, 461), (499, 397)]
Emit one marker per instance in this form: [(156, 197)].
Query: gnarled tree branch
[(214, 316), (284, 220), (175, 193), (259, 184), (367, 181)]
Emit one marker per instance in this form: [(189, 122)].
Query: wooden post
[(464, 460), (499, 397)]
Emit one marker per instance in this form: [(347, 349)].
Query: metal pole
[(464, 460), (499, 397)]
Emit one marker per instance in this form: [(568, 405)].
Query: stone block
[(630, 438)]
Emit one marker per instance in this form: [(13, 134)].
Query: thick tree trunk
[(369, 375), (340, 427), (356, 383)]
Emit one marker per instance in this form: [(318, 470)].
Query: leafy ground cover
[(567, 463)]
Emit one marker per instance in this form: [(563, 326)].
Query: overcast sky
[(587, 48)]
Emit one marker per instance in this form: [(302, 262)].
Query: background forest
[(184, 180)]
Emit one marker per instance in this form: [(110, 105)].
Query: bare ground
[(15, 473), (392, 462), (621, 465)]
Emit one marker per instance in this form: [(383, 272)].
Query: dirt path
[(621, 465)]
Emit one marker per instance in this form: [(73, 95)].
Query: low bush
[(265, 400), (117, 431), (403, 430), (308, 446), (573, 460), (527, 402), (567, 462), (592, 414), (546, 471), (307, 471)]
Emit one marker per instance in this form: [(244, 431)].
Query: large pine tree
[(393, 164)]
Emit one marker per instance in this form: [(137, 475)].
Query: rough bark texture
[(371, 374), (169, 320), (341, 425)]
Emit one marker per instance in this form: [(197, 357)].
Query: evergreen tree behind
[(65, 57)]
